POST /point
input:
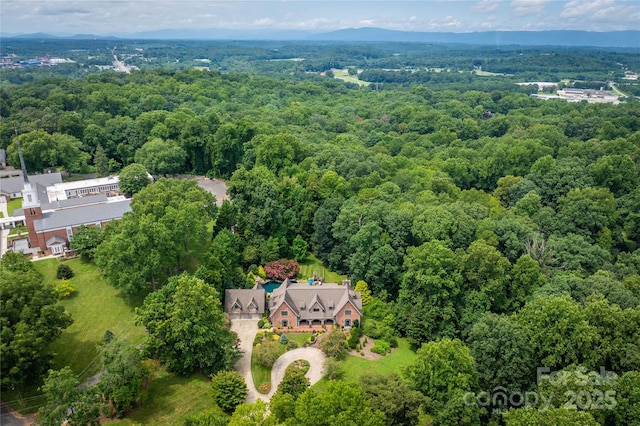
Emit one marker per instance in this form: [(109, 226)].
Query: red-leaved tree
[(282, 269)]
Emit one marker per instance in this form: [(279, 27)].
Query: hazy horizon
[(126, 17)]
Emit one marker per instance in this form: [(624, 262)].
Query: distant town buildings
[(9, 61)]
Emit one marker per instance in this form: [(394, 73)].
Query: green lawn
[(262, 375), (357, 366), (313, 264), (170, 399), (14, 204), (95, 307), (299, 338)]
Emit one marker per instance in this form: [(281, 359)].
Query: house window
[(284, 313), (57, 249), (69, 233), (347, 311), (316, 309), (284, 323)]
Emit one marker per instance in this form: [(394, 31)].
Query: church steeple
[(29, 194)]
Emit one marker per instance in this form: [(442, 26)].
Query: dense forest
[(497, 232)]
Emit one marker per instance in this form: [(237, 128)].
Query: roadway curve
[(246, 330)]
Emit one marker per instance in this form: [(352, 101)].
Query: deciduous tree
[(30, 318), (133, 178), (186, 326)]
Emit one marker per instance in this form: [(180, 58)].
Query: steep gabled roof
[(329, 298), (244, 299)]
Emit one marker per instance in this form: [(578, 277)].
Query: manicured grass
[(18, 230), (313, 264), (299, 338), (262, 375), (95, 307), (14, 204), (170, 399), (355, 366)]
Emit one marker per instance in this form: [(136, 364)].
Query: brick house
[(303, 306)]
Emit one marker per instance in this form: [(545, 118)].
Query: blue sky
[(117, 16)]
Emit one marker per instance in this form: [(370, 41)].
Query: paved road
[(215, 186), (246, 330), (9, 418), (315, 357)]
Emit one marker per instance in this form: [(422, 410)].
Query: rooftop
[(59, 190), (83, 215)]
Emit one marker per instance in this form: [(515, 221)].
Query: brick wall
[(341, 315)]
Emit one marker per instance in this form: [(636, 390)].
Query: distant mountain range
[(629, 39)]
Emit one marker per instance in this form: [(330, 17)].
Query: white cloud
[(522, 8), (578, 8), (264, 22), (486, 6)]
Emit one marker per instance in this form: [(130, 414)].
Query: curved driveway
[(316, 360), (246, 330)]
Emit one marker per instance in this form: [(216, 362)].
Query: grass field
[(313, 264), (170, 399), (343, 75), (95, 307)]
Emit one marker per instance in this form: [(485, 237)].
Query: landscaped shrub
[(282, 269), (333, 343), (268, 352), (64, 289), (64, 272), (229, 389), (393, 341), (261, 273), (371, 328), (333, 369), (284, 339), (260, 323), (381, 347), (292, 345), (354, 338), (257, 339)]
